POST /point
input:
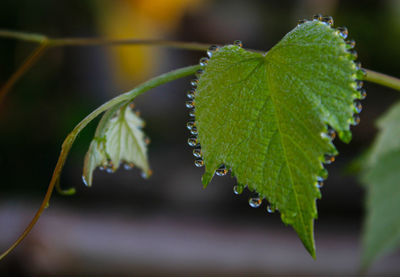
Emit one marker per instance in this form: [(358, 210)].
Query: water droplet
[(358, 64), (194, 82), (193, 131), (84, 181), (363, 93), (221, 171), (191, 113), (203, 61), (343, 32), (199, 162), (147, 140), (320, 182), (109, 169), (190, 125), (197, 153), (238, 43), (211, 50), (328, 159), (137, 113), (128, 166), (238, 189), (192, 141), (331, 133), (359, 84), (350, 44), (327, 20), (199, 72), (356, 120), (255, 202), (132, 105), (301, 21), (189, 104), (317, 17), (146, 175), (191, 93), (353, 54), (357, 106), (102, 168), (270, 209)]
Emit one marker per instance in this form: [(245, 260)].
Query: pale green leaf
[(119, 141), (265, 116), (382, 179), (95, 157)]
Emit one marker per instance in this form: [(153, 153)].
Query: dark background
[(167, 225)]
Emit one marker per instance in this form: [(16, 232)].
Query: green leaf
[(119, 140), (381, 176), (266, 117)]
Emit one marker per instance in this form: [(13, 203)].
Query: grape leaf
[(381, 176), (267, 117), (119, 140)]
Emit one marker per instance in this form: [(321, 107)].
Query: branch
[(58, 42), (28, 63)]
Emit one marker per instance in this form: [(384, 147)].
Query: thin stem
[(382, 79), (23, 36), (28, 63), (115, 42), (58, 42), (67, 144)]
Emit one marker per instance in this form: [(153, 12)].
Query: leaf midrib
[(274, 104)]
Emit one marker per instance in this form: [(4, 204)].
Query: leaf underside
[(121, 141), (381, 176), (265, 117)]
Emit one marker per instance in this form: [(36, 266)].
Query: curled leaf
[(120, 141)]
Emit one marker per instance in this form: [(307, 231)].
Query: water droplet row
[(330, 134)]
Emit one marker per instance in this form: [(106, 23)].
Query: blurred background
[(167, 225)]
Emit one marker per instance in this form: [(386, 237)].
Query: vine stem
[(28, 63), (382, 79), (57, 42), (67, 144), (46, 42)]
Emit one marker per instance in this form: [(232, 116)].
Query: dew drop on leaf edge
[(211, 50), (270, 209), (238, 189), (222, 171), (238, 43), (192, 141), (84, 181), (203, 61), (199, 163), (197, 153), (193, 131), (255, 202), (190, 125)]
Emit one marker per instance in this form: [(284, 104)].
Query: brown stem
[(28, 63)]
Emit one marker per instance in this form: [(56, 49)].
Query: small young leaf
[(381, 176), (266, 117), (121, 140)]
